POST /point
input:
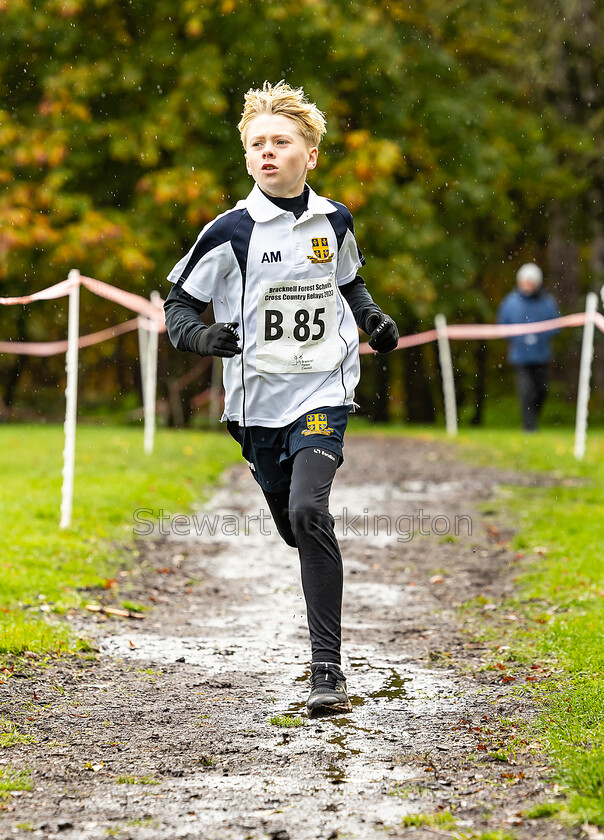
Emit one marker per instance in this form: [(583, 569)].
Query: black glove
[(383, 332), (219, 340)]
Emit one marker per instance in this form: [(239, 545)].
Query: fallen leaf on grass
[(98, 608), (592, 832), (94, 767), (514, 820)]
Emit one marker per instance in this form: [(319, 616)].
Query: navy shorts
[(270, 452)]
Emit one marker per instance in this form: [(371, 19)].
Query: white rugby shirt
[(279, 278)]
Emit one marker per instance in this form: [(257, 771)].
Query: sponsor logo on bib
[(320, 250)]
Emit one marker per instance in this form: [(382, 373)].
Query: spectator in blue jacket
[(531, 353)]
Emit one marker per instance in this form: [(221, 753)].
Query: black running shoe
[(328, 690)]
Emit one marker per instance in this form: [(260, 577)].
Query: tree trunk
[(419, 402), (596, 265), (481, 383), (563, 260), (11, 381), (380, 405)]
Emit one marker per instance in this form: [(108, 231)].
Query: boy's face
[(277, 156)]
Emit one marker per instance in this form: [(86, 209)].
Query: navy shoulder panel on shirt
[(342, 222), (220, 232), (240, 241)]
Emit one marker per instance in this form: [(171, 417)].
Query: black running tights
[(302, 518)]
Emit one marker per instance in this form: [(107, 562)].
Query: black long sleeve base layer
[(302, 518)]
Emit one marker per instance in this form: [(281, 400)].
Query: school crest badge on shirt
[(316, 424), (320, 250)]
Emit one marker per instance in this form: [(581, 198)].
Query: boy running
[(280, 269)]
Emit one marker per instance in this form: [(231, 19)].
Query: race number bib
[(297, 327)]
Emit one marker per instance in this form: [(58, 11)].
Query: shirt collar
[(262, 209)]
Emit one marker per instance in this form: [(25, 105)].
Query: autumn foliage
[(445, 138)]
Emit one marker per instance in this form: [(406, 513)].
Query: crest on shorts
[(316, 424), (320, 250)]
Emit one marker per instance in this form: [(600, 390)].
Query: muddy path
[(167, 733)]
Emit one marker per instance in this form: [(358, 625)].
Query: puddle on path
[(370, 681), (389, 701), (398, 706), (262, 629)]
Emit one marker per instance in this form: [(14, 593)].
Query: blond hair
[(285, 100)]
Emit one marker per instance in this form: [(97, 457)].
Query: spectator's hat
[(531, 272)]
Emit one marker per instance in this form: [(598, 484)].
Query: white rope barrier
[(444, 333), (587, 354), (446, 371), (150, 322), (148, 338), (71, 400)]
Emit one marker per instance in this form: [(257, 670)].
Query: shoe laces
[(325, 675)]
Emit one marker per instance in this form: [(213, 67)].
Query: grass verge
[(561, 534), (44, 570), (10, 734), (136, 780), (11, 780), (287, 721), (441, 819), (561, 596), (560, 592)]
